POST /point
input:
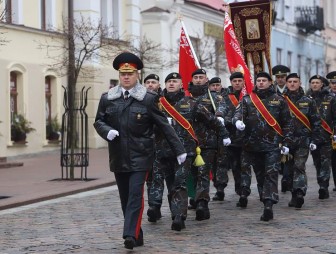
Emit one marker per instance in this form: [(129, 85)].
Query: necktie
[(126, 95)]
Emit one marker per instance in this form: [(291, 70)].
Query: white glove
[(240, 125), (226, 141), (170, 120), (221, 119), (112, 134), (181, 158), (312, 147), (284, 150)]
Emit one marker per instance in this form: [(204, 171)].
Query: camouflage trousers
[(297, 178), (322, 161), (266, 167), (176, 181), (156, 185), (333, 165), (201, 175)]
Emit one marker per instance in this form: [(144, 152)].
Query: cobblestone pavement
[(91, 222)]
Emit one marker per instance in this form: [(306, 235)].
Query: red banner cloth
[(235, 58), (187, 63)]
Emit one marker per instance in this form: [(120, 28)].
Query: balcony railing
[(309, 19)]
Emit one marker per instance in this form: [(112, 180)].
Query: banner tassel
[(198, 160)]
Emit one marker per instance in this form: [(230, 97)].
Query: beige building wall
[(329, 7), (22, 55)]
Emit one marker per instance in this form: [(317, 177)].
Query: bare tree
[(151, 54), (3, 18), (73, 50)]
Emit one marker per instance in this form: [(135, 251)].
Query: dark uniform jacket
[(192, 111), (326, 104), (133, 149), (235, 135), (302, 135), (207, 137), (259, 135)]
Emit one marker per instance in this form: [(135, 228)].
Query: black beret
[(215, 80), (127, 62), (173, 75), (198, 71), (292, 75), (237, 74), (152, 76), (331, 75), (316, 77), (325, 81), (280, 70), (263, 74)]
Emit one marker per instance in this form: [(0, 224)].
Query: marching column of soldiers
[(272, 131), (187, 141)]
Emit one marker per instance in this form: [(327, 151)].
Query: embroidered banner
[(252, 25)]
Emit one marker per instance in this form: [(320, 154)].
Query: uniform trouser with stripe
[(131, 191)]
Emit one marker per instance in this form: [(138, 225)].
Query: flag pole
[(191, 46)]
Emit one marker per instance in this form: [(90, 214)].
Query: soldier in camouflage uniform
[(280, 72), (220, 167), (331, 76), (326, 104), (155, 179), (261, 143), (176, 175), (207, 138), (307, 129), (235, 149)]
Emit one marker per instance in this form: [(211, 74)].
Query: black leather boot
[(154, 213), (268, 211), (299, 199), (178, 223), (202, 210), (292, 202)]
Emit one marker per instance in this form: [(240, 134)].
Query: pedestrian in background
[(125, 118)]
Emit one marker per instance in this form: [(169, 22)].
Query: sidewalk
[(40, 178)]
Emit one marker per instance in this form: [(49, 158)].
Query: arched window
[(48, 99), (13, 94)]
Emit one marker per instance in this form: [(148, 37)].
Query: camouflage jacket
[(235, 135), (302, 135), (192, 111), (258, 134), (326, 104), (208, 138)]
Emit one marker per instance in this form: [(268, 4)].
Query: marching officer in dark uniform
[(183, 112), (265, 118), (326, 104), (331, 76), (307, 130), (280, 72), (198, 87), (125, 118)]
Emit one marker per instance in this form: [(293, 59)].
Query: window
[(317, 65), (289, 59), (110, 14), (13, 94), (47, 14), (43, 14), (278, 55), (48, 98), (8, 11), (308, 67), (299, 64)]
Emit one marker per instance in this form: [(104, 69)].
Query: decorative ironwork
[(309, 19), (78, 156)]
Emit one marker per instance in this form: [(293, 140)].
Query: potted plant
[(53, 129), (20, 128)]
